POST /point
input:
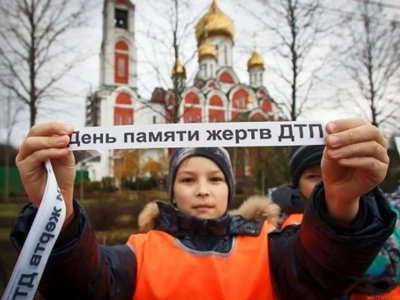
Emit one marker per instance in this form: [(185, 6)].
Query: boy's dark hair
[(302, 158)]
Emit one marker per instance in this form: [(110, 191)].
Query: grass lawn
[(4, 234), (10, 209)]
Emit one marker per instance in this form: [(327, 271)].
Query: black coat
[(317, 260)]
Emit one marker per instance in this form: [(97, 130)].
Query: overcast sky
[(150, 17)]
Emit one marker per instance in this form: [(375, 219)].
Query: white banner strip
[(239, 134), (397, 142), (45, 229)]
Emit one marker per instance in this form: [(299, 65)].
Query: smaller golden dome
[(178, 69), (207, 50), (255, 60)]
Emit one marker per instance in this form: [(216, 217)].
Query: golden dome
[(207, 50), (217, 23), (255, 60), (178, 69)]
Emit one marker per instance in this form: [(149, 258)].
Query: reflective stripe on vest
[(293, 219), (166, 269), (393, 294)]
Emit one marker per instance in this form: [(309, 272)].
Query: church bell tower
[(118, 52)]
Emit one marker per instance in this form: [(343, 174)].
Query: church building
[(215, 95)]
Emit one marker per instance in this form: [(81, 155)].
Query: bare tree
[(35, 48), (295, 31), (170, 32), (10, 117), (370, 57)]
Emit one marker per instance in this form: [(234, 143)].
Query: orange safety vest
[(292, 219), (166, 269), (392, 295)]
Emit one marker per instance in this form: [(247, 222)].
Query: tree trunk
[(7, 173), (234, 161), (263, 181), (32, 117)]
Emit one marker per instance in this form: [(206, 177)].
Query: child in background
[(383, 276)]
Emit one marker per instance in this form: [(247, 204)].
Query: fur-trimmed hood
[(255, 208)]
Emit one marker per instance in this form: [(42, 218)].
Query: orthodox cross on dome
[(214, 6), (254, 41)]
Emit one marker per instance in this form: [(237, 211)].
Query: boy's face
[(200, 188), (309, 179)]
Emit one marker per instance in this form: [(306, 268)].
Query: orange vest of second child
[(166, 269), (292, 219), (393, 294)]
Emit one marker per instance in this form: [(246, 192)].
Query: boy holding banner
[(194, 249)]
